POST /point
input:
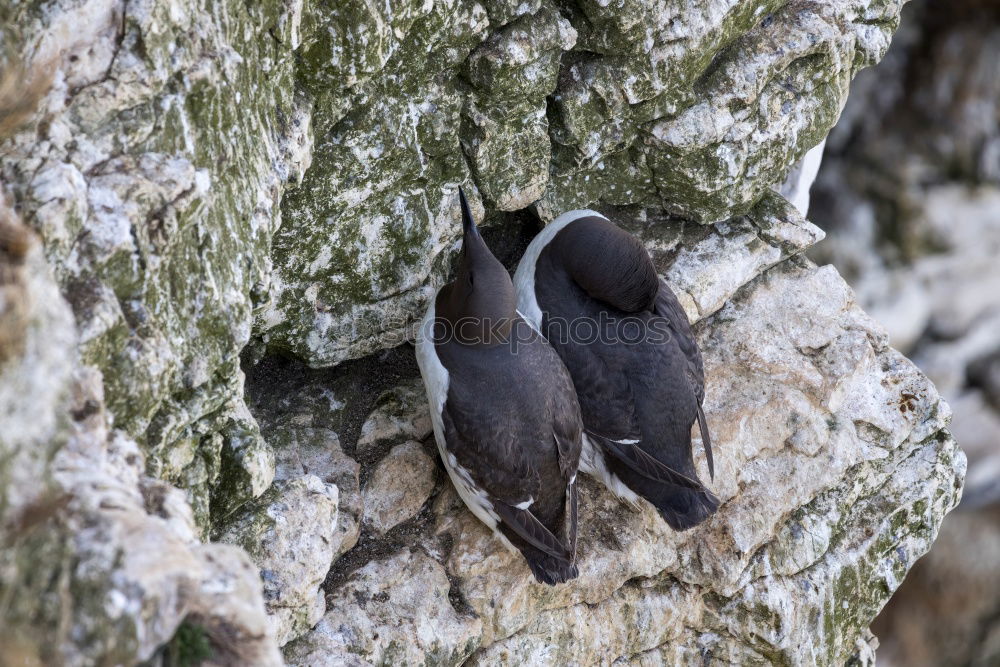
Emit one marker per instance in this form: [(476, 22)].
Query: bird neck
[(483, 318)]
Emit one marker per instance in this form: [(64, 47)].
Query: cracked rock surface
[(225, 219), (835, 465), (100, 562), (914, 226)]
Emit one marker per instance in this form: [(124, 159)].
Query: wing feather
[(638, 460), (513, 465), (529, 528), (668, 307), (706, 439), (573, 516)]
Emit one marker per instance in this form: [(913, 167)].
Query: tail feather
[(682, 508), (549, 570), (681, 499), (706, 440)]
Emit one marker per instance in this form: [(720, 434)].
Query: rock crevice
[(213, 425)]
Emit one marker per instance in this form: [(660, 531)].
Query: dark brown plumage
[(638, 397), (506, 418)]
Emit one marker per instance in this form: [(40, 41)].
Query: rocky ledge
[(224, 220), (834, 466)]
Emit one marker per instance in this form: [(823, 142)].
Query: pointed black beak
[(468, 224)]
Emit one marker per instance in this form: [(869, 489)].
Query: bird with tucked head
[(639, 396)]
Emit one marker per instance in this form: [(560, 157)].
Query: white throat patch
[(524, 277)]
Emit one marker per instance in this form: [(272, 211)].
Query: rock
[(34, 376), (271, 188), (705, 268), (977, 423), (393, 611), (155, 240), (246, 464), (401, 414), (941, 616), (289, 534), (316, 452), (595, 634), (901, 303), (365, 233), (507, 140), (75, 491), (399, 486), (636, 116), (705, 154), (820, 418), (799, 382), (339, 423), (908, 195), (962, 281), (158, 243), (947, 362), (945, 290), (864, 653), (502, 12)]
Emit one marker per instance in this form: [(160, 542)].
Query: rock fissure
[(278, 179)]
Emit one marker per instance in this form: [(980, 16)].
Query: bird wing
[(573, 516), (668, 307), (621, 434), (532, 531), (707, 440), (485, 445), (604, 392), (644, 464), (567, 423)]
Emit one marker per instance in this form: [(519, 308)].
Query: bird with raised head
[(504, 412)]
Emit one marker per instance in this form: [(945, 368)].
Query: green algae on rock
[(218, 184)]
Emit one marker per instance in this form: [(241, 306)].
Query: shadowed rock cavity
[(242, 210)]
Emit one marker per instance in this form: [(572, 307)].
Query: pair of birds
[(521, 399)]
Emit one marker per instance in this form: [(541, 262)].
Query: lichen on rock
[(100, 562), (242, 209), (289, 534)]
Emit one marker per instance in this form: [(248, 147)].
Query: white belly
[(592, 462)]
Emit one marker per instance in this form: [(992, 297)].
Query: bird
[(591, 289), (503, 410)]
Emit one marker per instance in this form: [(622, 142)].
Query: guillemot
[(504, 412), (591, 289)]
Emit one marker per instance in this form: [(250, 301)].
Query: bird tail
[(552, 559), (682, 508), (680, 498), (548, 569)]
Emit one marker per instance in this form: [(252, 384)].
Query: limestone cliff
[(206, 190), (915, 227)]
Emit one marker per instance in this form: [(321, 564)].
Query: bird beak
[(468, 224)]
